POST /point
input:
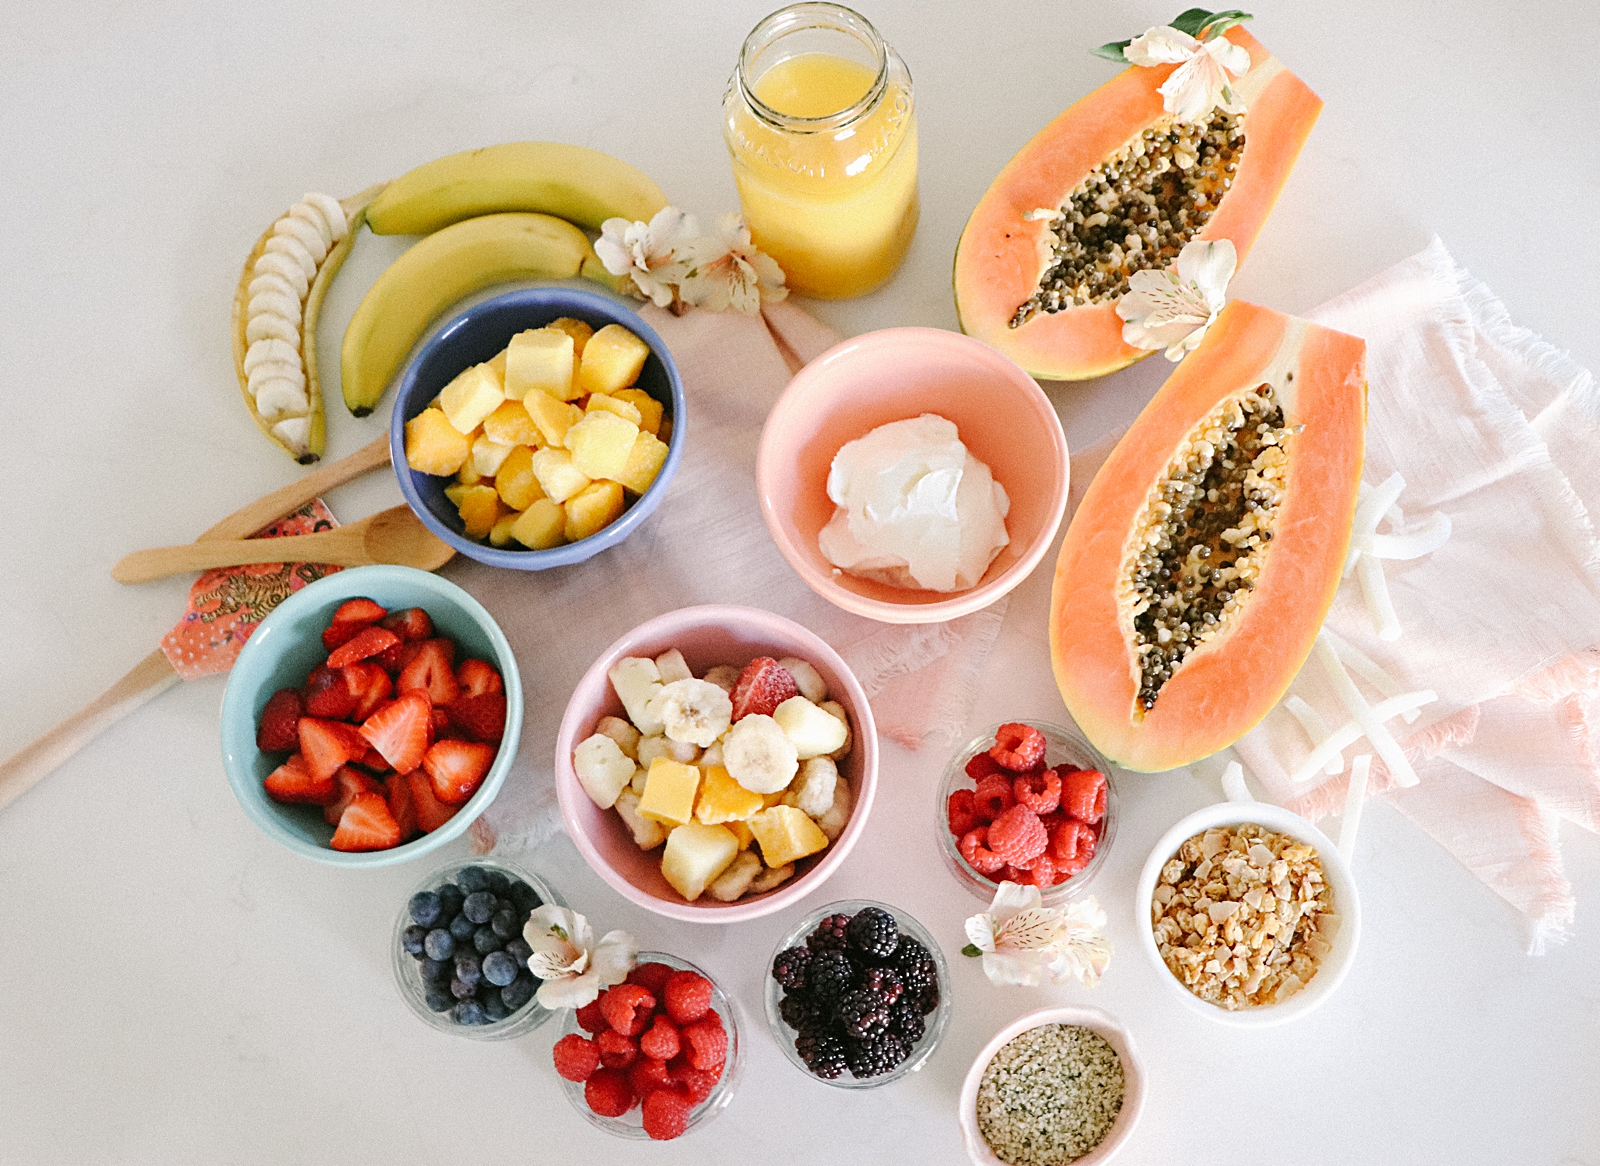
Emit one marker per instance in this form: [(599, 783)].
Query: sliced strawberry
[(369, 684), (366, 642), (352, 616), (292, 782), (431, 671), (402, 805), (347, 784), (327, 695), (280, 721), (476, 678), (366, 825), (483, 717), (762, 687), (374, 761), (395, 659), (431, 812), (410, 624), (329, 744), (401, 730), (457, 768)]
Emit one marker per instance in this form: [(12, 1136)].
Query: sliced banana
[(637, 680), (758, 754), (837, 818), (693, 711), (269, 350), (806, 678), (772, 877), (293, 431), (332, 213), (624, 734), (659, 746), (288, 269), (724, 676), (813, 788), (272, 328), (736, 880), (279, 398), (316, 220)]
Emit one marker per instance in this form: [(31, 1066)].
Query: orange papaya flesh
[(1002, 257), (1227, 683)]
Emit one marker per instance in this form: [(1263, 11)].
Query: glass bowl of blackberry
[(606, 1056), (460, 961), (1048, 782), (858, 994)]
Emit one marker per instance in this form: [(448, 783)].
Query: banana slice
[(693, 711), (724, 676), (813, 789), (759, 755), (806, 678)]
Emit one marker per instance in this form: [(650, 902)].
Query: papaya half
[(1197, 571), (1050, 246)]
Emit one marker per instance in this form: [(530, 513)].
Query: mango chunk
[(479, 507), (612, 360), (650, 409), (577, 329), (472, 396), (669, 792), (540, 526), (627, 410), (540, 360), (741, 831), (552, 417), (516, 481), (433, 445), (601, 444), (510, 424), (786, 834), (723, 800), (645, 459), (558, 477), (500, 533), (592, 509), (488, 455)]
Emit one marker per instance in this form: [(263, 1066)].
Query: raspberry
[(589, 1018), (1040, 792), (661, 1041), (1067, 867), (1016, 836), (1039, 871), (960, 812), (974, 847), (981, 766), (993, 797), (627, 1008), (829, 935), (646, 1075), (666, 1114), (1072, 839), (705, 1041), (1018, 747), (697, 1083), (688, 996), (616, 1050), (576, 1057), (651, 977), (608, 1093), (1083, 795)]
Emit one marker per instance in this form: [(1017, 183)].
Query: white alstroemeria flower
[(565, 956), (1022, 942), (1201, 82), (1173, 307), (727, 270), (647, 253)]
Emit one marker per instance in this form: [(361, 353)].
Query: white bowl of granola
[(1273, 904)]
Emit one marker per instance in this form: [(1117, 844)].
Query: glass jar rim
[(801, 17)]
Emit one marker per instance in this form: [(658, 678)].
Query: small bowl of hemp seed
[(1056, 1086)]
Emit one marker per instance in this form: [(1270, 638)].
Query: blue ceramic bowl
[(475, 336), (282, 652)]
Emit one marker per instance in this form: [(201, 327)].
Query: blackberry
[(917, 975), (884, 981), (829, 975), (789, 967), (875, 1056), (929, 1000), (799, 1010), (830, 934), (815, 1038), (863, 1013), (905, 1021), (830, 1059), (910, 954), (873, 933)]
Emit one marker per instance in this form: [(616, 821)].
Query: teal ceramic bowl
[(282, 652)]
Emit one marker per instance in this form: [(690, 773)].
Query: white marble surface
[(179, 989)]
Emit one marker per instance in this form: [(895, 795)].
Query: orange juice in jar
[(819, 120)]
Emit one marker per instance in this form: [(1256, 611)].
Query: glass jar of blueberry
[(460, 960)]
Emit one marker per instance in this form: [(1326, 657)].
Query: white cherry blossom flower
[(565, 956), (648, 253), (1173, 307), (1023, 943), (727, 270), (1202, 80)]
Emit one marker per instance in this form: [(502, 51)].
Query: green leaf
[(971, 949), (1115, 51), (1221, 22), (1192, 21)]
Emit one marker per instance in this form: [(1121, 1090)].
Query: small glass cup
[(631, 1124), (1062, 746), (408, 972), (937, 1020)]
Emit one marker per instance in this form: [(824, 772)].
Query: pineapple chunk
[(558, 477), (466, 475), (646, 834), (601, 444), (540, 526), (724, 800), (471, 397), (669, 792), (603, 769), (741, 831), (815, 733), (500, 533), (673, 666), (605, 401), (515, 479), (650, 409), (488, 455), (540, 360), (479, 507), (612, 360), (695, 855), (786, 834), (735, 881), (577, 329), (838, 816), (644, 462), (498, 363), (433, 445), (552, 417), (636, 681), (510, 424), (592, 509)]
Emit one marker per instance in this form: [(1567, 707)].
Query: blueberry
[(471, 879), (439, 998), (411, 939), (523, 897), (479, 907), (498, 883), (494, 1007), (435, 971), (425, 908), (519, 991), (484, 940), (439, 944), (462, 928), (470, 1012), (461, 991), (505, 923), (499, 968), (468, 970), (519, 950), (450, 899)]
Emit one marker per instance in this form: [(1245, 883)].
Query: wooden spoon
[(390, 536)]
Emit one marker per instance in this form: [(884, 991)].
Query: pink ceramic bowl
[(708, 636), (1002, 415)]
